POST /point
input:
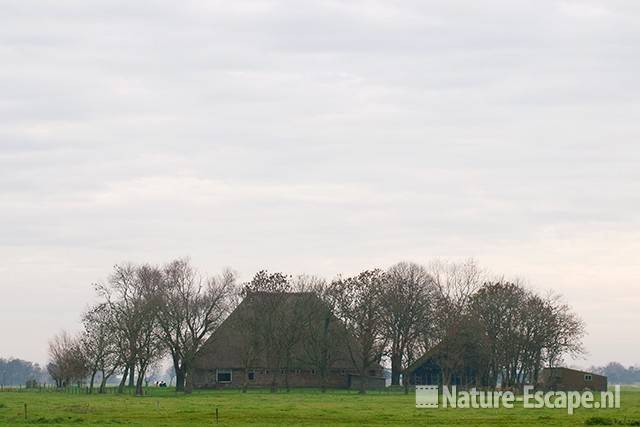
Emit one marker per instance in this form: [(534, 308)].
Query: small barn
[(435, 364), (565, 379), (238, 356)]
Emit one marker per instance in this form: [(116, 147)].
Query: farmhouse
[(565, 379), (429, 369), (280, 339)]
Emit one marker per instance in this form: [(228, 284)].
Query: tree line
[(618, 374), (15, 372), (499, 329)]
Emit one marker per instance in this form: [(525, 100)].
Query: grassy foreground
[(164, 407)]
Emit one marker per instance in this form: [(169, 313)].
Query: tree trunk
[(446, 376), (396, 368), (245, 381), (123, 381), (188, 389), (91, 381), (363, 382), (405, 383), (180, 379), (132, 371), (140, 382), (103, 383)]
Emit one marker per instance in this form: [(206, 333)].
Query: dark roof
[(228, 346), (431, 353), (561, 368)]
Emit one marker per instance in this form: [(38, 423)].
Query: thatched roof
[(238, 342), (432, 353)]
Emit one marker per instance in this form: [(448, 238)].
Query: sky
[(322, 137)]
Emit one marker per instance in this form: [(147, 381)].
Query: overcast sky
[(319, 137)]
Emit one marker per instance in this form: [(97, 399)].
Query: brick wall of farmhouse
[(207, 378)]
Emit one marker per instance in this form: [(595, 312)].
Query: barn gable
[(237, 352)]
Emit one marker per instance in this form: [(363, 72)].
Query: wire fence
[(80, 389), (164, 391)]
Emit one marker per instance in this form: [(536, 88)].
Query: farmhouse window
[(588, 377), (251, 375), (313, 372), (224, 376)]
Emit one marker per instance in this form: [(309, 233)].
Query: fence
[(82, 389)]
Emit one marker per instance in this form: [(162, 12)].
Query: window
[(588, 377), (251, 375), (343, 372), (283, 371), (313, 372), (223, 376)]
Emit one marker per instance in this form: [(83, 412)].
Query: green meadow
[(163, 407)]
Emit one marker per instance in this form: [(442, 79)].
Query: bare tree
[(189, 309), (499, 308), (122, 295), (358, 303), (149, 347), (287, 322), (322, 332), (566, 331), (523, 332), (267, 295), (291, 333), (454, 284), (249, 345), (67, 363), (536, 313), (131, 295), (408, 304), (99, 344)]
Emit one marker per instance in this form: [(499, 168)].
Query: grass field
[(164, 407)]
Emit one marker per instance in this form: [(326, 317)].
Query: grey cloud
[(319, 136)]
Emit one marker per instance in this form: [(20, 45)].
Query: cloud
[(317, 136)]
